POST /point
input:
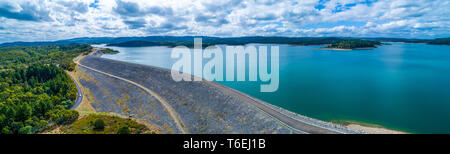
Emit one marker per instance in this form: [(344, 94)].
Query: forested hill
[(184, 40), (334, 42), (35, 93), (13, 57), (354, 44), (208, 41), (437, 41), (440, 41)]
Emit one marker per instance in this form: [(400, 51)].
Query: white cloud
[(44, 20)]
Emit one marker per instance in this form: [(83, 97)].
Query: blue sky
[(48, 20)]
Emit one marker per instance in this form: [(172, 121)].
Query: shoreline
[(368, 128), (294, 121), (342, 127)]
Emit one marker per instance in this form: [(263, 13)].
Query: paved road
[(304, 126), (166, 105), (79, 94)]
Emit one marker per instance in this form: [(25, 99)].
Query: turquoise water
[(399, 86)]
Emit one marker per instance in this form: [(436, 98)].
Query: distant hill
[(440, 41), (105, 40), (207, 41), (189, 42)]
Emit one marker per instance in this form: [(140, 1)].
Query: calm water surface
[(399, 86)]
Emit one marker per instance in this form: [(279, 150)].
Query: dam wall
[(108, 94), (202, 107)]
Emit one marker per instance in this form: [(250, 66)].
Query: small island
[(109, 51), (353, 44)]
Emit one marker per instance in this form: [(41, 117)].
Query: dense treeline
[(437, 41), (440, 41), (34, 92), (19, 57), (172, 41), (354, 43), (245, 40), (185, 40)]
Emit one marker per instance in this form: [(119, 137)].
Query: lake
[(400, 86)]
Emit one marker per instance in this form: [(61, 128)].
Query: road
[(299, 124), (171, 111), (80, 93)]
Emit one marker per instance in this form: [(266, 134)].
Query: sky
[(50, 20)]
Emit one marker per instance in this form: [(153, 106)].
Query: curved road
[(80, 93)]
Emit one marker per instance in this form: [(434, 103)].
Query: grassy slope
[(112, 124)]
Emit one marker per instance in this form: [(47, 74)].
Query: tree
[(99, 124), (24, 112), (6, 130), (62, 116), (16, 126), (124, 130), (2, 120), (71, 116), (35, 93), (67, 104), (26, 130)]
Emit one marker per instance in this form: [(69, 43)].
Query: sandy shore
[(373, 130), (368, 128)]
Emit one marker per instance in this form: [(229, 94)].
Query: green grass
[(112, 125)]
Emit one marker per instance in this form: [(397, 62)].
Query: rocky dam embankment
[(200, 107)]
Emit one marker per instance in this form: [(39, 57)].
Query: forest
[(35, 91), (439, 41), (354, 43), (173, 41), (210, 41)]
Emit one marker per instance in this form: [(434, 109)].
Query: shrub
[(67, 104), (26, 130), (71, 116), (124, 130), (62, 116), (99, 124), (6, 130)]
